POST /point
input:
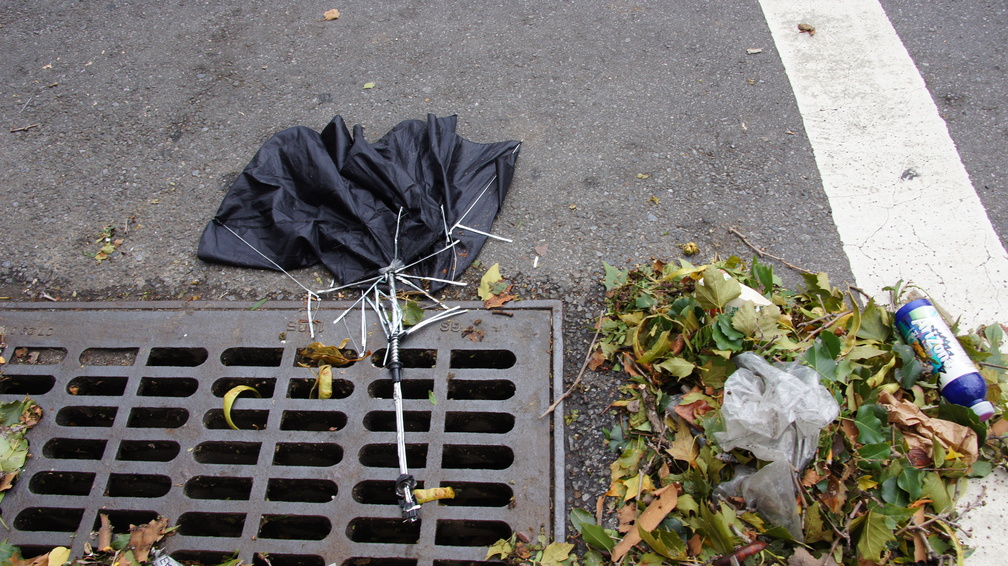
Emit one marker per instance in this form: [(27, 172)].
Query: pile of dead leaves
[(882, 484)]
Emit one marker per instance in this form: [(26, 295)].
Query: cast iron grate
[(134, 428)]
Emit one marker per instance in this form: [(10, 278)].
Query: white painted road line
[(901, 198), (902, 201)]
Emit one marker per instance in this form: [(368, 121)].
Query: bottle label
[(927, 333)]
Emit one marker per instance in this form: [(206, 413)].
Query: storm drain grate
[(134, 428)]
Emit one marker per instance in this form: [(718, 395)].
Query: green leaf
[(877, 451), (875, 323), (744, 319), (980, 469), (815, 528), (910, 370), (876, 533), (910, 482), (412, 313), (597, 537), (820, 358), (716, 291), (666, 543), (964, 416), (431, 397), (869, 424), (613, 277), (677, 367), (763, 273), (580, 517), (593, 558)]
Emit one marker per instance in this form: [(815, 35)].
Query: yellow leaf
[(229, 399), (369, 85), (330, 15), (683, 446), (432, 494), (637, 485), (325, 382), (492, 275), (59, 556), (866, 482)]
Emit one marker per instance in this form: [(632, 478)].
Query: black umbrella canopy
[(336, 199)]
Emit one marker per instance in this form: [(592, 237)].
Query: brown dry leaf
[(850, 430), (474, 334), (811, 477), (677, 346), (522, 550), (999, 428), (694, 546), (920, 458), (806, 28), (596, 360), (626, 514), (918, 429), (143, 537), (836, 494), (8, 480), (599, 507), (105, 534), (330, 15), (648, 520), (664, 471), (497, 301), (920, 544), (802, 557), (691, 411)]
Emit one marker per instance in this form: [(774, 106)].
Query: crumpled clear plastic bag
[(770, 490), (775, 411)]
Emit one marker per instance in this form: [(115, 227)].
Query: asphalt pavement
[(645, 125)]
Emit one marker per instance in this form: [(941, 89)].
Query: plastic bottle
[(958, 379)]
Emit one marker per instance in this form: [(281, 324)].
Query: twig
[(992, 365), (762, 253), (26, 104), (584, 366), (23, 128), (846, 530)]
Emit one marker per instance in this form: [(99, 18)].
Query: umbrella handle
[(406, 483)]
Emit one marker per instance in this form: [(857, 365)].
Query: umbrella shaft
[(395, 367)]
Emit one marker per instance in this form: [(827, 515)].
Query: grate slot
[(288, 560), (478, 494), (13, 384), (109, 356), (264, 386), (177, 357), (368, 561), (411, 388), (220, 452), (384, 456), (313, 420), (61, 483), (294, 527), (222, 488), (28, 355), (304, 388), (157, 417), (254, 357), (384, 421), (376, 492), (481, 389), (301, 490), (86, 416), (486, 423), (245, 419), (483, 359), (202, 556), (167, 386), (476, 456), (384, 531), (307, 454), (470, 533), (55, 519), (410, 358), (97, 385), (148, 450), (221, 525), (138, 485), (122, 519), (74, 449)]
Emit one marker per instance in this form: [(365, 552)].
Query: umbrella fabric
[(335, 198)]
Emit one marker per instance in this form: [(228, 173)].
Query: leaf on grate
[(143, 537), (433, 494), (229, 399), (338, 356)]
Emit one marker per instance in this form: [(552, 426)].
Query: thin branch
[(23, 128), (762, 253), (584, 366)]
